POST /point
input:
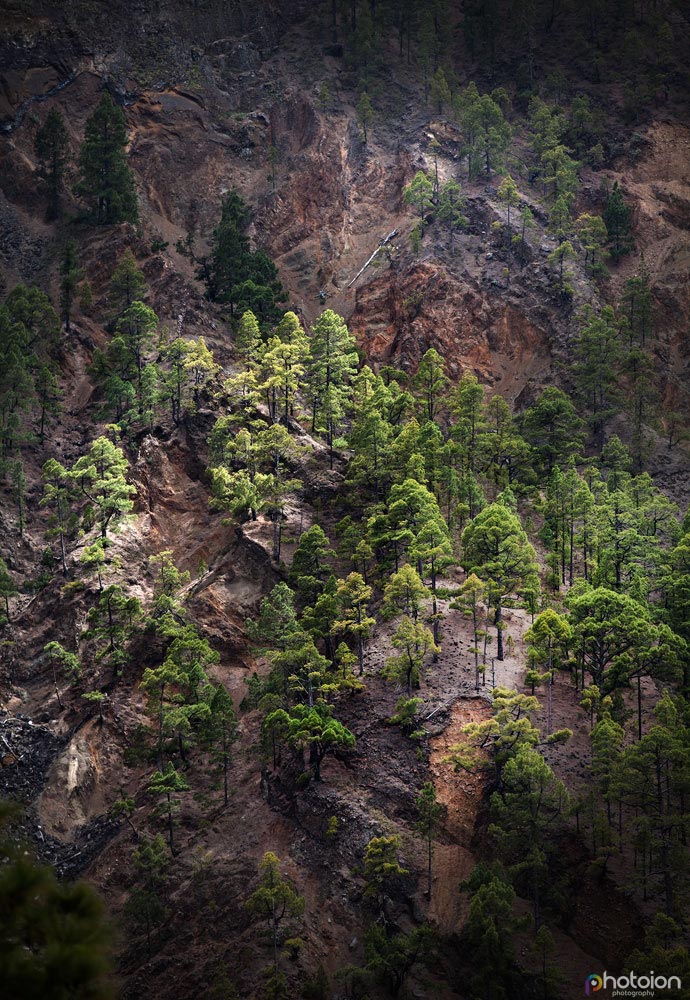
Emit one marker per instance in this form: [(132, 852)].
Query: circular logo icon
[(593, 984)]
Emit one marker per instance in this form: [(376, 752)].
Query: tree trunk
[(170, 825), (498, 622), (639, 705)]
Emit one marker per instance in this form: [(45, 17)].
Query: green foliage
[(415, 642), (618, 222), (592, 233), (62, 660), (404, 593), (312, 563), (563, 252), (145, 908), (352, 599), (365, 114), (99, 476), (486, 131), (405, 714), (553, 428), (392, 956), (234, 274), (489, 933), (419, 194), (508, 194), (274, 900), (473, 594), (330, 367), (382, 868), (313, 729), (51, 146), (440, 91), (29, 336), (450, 207), (526, 815), (597, 357), (496, 549), (166, 784), (127, 284), (54, 940), (500, 737), (106, 182)]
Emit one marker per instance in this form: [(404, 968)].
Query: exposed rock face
[(400, 315)]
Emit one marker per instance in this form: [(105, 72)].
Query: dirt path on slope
[(462, 794)]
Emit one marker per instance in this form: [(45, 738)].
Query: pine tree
[(547, 641), (472, 594), (100, 477), (488, 134), (419, 194), (597, 358), (145, 906), (168, 783), (274, 900), (489, 933), (312, 563), (51, 147), (415, 641), (106, 181), (365, 115), (248, 336), (127, 284), (429, 813), (496, 548), (312, 728), (607, 628), (553, 428), (221, 730), (526, 222), (618, 221), (277, 619), (236, 275), (8, 589), (136, 329), (527, 812), (591, 231), (331, 365), (391, 956), (430, 382), (58, 496), (404, 593), (63, 659), (508, 194), (382, 867), (18, 479), (469, 427), (440, 91), (451, 206), (563, 252), (352, 597)]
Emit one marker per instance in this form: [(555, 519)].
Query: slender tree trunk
[(428, 891), (639, 705), (498, 621), (170, 824)]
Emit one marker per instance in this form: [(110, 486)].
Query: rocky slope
[(208, 88)]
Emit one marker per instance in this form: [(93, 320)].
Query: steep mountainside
[(262, 98)]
